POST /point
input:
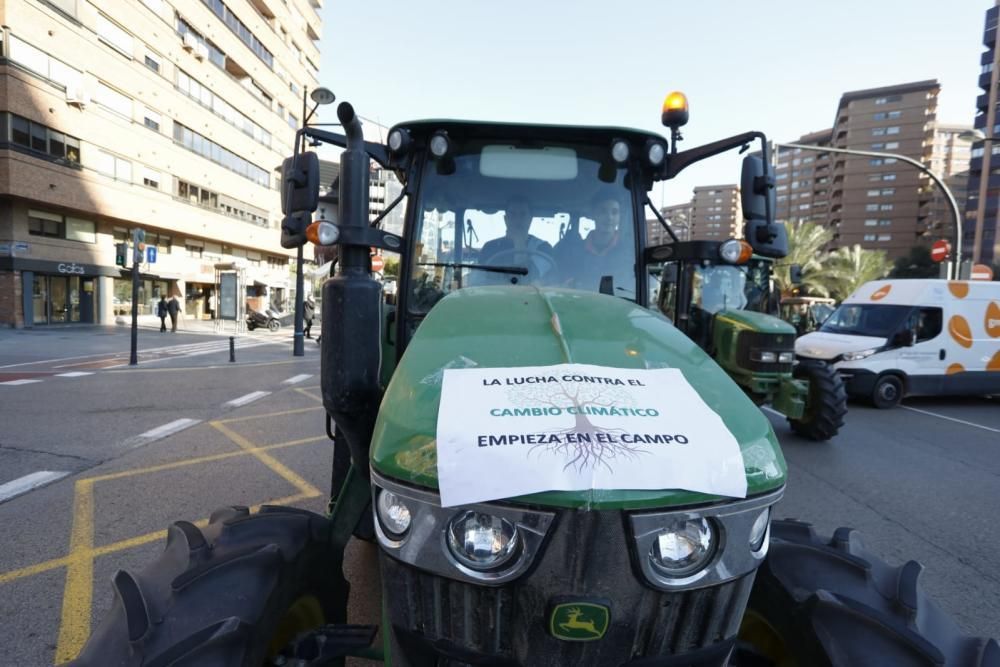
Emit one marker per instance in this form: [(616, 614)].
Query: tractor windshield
[(509, 213)]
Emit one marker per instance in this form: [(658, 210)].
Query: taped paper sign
[(505, 432)]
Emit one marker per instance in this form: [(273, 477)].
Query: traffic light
[(121, 251)]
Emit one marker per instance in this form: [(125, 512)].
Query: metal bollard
[(232, 349)]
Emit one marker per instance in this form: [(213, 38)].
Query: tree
[(391, 267), (806, 241), (851, 267), (916, 264)]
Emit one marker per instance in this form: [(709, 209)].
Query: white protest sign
[(506, 432)]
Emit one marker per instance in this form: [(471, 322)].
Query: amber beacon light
[(675, 110)]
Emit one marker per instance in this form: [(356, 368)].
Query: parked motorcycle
[(267, 319)]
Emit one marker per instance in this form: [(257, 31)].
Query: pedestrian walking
[(308, 312), (173, 307), (161, 312)]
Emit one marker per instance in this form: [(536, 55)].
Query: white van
[(896, 338)]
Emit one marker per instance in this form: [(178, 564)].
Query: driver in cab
[(603, 253), (517, 247)]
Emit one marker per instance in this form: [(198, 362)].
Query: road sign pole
[(133, 358)]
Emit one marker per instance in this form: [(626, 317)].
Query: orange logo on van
[(994, 364), (992, 322), (960, 331), (881, 292), (959, 290), (955, 368)]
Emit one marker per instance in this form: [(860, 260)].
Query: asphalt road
[(919, 482)]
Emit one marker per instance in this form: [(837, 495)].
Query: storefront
[(151, 288), (199, 300), (58, 292)]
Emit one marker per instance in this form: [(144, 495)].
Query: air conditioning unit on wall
[(190, 42), (77, 95), (201, 52)]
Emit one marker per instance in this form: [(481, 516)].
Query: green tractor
[(720, 294), (524, 253)]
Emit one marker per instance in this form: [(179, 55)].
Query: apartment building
[(803, 179), (170, 116), (981, 240), (678, 217), (716, 213), (876, 202)]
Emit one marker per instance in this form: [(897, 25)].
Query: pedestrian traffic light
[(121, 251)]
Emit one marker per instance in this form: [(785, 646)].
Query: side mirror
[(300, 184), (766, 237), (795, 274), (905, 338)]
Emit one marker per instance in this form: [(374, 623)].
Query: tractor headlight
[(619, 151), (440, 144), (786, 357), (393, 514), (758, 531), (327, 232), (730, 251), (858, 356), (655, 152), (683, 548), (482, 541), (764, 356)]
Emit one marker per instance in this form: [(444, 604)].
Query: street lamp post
[(952, 204)]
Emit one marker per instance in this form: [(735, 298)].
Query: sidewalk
[(193, 326)]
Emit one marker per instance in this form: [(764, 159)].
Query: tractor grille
[(443, 622), (752, 341)]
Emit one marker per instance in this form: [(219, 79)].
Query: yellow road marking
[(75, 624), (267, 414), (274, 464), (203, 459), (305, 392)]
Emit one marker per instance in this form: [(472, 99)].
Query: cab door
[(926, 360)]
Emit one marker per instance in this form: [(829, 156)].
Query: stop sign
[(981, 272), (940, 250), (377, 263)]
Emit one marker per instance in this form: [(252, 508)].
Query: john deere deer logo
[(579, 621)]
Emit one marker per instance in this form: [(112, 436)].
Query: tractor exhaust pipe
[(351, 355)]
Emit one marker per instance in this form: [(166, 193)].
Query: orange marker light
[(675, 110), (746, 252), (312, 233)]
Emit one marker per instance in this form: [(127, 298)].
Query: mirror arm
[(376, 151), (663, 222), (677, 162)]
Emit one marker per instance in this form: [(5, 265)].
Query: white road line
[(297, 379), (73, 374), (169, 429), (28, 482), (13, 383), (952, 419), (249, 398)]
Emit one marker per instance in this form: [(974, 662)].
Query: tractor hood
[(754, 321), (496, 327)]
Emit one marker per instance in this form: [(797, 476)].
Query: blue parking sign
[(151, 254)]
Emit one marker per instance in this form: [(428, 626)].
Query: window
[(873, 193), (888, 177), (41, 139), (155, 5), (885, 207), (43, 223), (885, 237), (892, 130), (81, 230), (879, 116), (871, 207), (152, 62), (878, 147), (151, 119), (194, 248), (928, 323), (202, 95), (42, 63), (884, 223), (113, 100), (888, 192), (878, 131), (892, 145), (869, 237), (151, 178), (161, 242), (212, 151), (894, 114), (241, 30), (875, 161), (111, 165), (111, 33), (871, 222)]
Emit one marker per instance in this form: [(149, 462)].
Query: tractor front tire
[(231, 595), (829, 602), (826, 403)]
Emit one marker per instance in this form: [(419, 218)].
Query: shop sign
[(73, 269)]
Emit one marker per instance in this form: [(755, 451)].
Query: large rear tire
[(826, 404), (230, 595), (829, 602)]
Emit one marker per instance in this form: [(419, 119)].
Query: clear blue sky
[(776, 65)]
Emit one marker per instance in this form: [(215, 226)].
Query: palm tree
[(806, 241), (850, 267)]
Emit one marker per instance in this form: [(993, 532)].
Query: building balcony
[(263, 9), (984, 80), (983, 103), (990, 38)]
